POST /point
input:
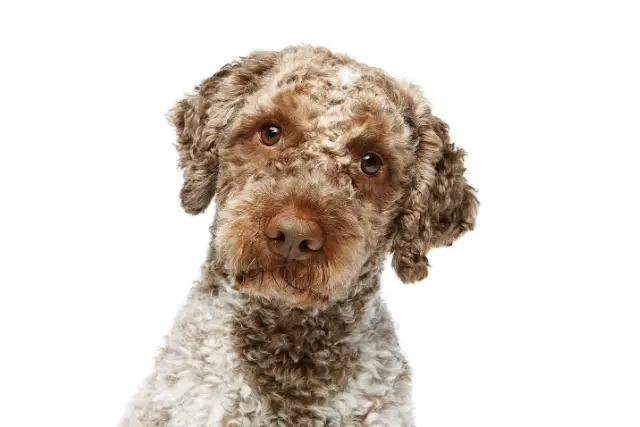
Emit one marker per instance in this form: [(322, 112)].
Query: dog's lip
[(248, 273), (313, 297), (242, 275), (275, 263)]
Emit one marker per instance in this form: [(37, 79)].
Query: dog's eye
[(371, 164), (270, 135)]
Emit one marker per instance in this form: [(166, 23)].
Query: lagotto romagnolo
[(320, 166)]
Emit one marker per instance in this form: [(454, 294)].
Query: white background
[(531, 320)]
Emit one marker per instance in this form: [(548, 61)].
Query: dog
[(321, 166)]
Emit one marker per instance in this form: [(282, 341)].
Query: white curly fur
[(197, 379)]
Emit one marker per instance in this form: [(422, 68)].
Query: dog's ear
[(201, 120), (439, 205)]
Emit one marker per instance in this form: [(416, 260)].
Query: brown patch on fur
[(298, 357)]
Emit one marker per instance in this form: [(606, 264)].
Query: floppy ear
[(439, 205), (201, 120)]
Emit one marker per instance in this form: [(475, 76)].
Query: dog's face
[(320, 166)]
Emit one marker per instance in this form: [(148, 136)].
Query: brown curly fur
[(311, 339), (438, 203)]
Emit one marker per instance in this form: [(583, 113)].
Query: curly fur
[(267, 341)]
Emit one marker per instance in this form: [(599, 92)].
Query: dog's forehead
[(334, 100), (329, 82)]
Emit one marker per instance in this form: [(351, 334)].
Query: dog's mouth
[(297, 282), (294, 282)]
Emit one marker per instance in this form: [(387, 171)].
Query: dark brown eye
[(270, 135), (371, 164)]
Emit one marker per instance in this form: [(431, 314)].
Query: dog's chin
[(267, 286), (298, 285)]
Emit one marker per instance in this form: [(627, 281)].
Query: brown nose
[(294, 237)]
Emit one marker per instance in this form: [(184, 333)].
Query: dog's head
[(320, 165)]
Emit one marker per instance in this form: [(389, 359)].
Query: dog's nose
[(294, 237)]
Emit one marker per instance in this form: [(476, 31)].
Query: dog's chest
[(223, 367)]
